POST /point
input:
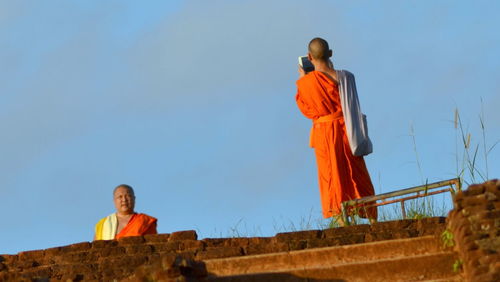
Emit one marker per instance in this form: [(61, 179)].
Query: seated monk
[(125, 222)]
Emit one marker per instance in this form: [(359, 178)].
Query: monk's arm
[(304, 107)]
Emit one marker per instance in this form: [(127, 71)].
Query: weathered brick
[(489, 196), (187, 254), (475, 189), (403, 234), (75, 257), (257, 249), (489, 214), (125, 262), (32, 255), (297, 245), (215, 242), (479, 270), (263, 247), (156, 238), (112, 251), (172, 246), (317, 243), (183, 235), (167, 260), (131, 240), (236, 242), (300, 235), (139, 249), (490, 245), (493, 185), (133, 261), (108, 270), (477, 200), (190, 245), (431, 226), (59, 270), (53, 251), (261, 240), (220, 252), (471, 257), (474, 210), (38, 272), (8, 259), (279, 247), (345, 231), (78, 257), (489, 259), (392, 225), (488, 277), (104, 244), (25, 264), (438, 220), (332, 241), (159, 248), (81, 268), (71, 277), (469, 245), (91, 277), (78, 247), (353, 239), (377, 236), (83, 246)]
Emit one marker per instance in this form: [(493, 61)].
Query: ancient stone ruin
[(462, 247)]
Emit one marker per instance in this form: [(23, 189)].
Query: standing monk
[(125, 222), (342, 176)]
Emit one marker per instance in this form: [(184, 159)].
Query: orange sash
[(316, 122)]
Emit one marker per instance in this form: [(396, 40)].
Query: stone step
[(433, 267), (322, 257)]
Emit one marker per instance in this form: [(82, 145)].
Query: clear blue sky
[(192, 103)]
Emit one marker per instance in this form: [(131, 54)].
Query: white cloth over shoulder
[(355, 120), (106, 227)]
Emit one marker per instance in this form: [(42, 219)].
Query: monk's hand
[(301, 72)]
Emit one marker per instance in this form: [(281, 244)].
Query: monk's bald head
[(319, 49), (125, 186)]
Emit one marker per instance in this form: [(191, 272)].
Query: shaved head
[(128, 187), (319, 49)]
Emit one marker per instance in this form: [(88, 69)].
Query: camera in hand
[(305, 64)]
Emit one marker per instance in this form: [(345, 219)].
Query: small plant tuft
[(457, 266), (448, 239)]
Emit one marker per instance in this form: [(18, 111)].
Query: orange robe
[(140, 224), (342, 176)]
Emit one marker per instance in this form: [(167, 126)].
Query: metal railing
[(418, 191)]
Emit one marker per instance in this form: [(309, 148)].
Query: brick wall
[(118, 259), (475, 224)]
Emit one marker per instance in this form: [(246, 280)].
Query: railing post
[(345, 216), (403, 210)]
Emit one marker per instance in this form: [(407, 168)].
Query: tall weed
[(468, 168)]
